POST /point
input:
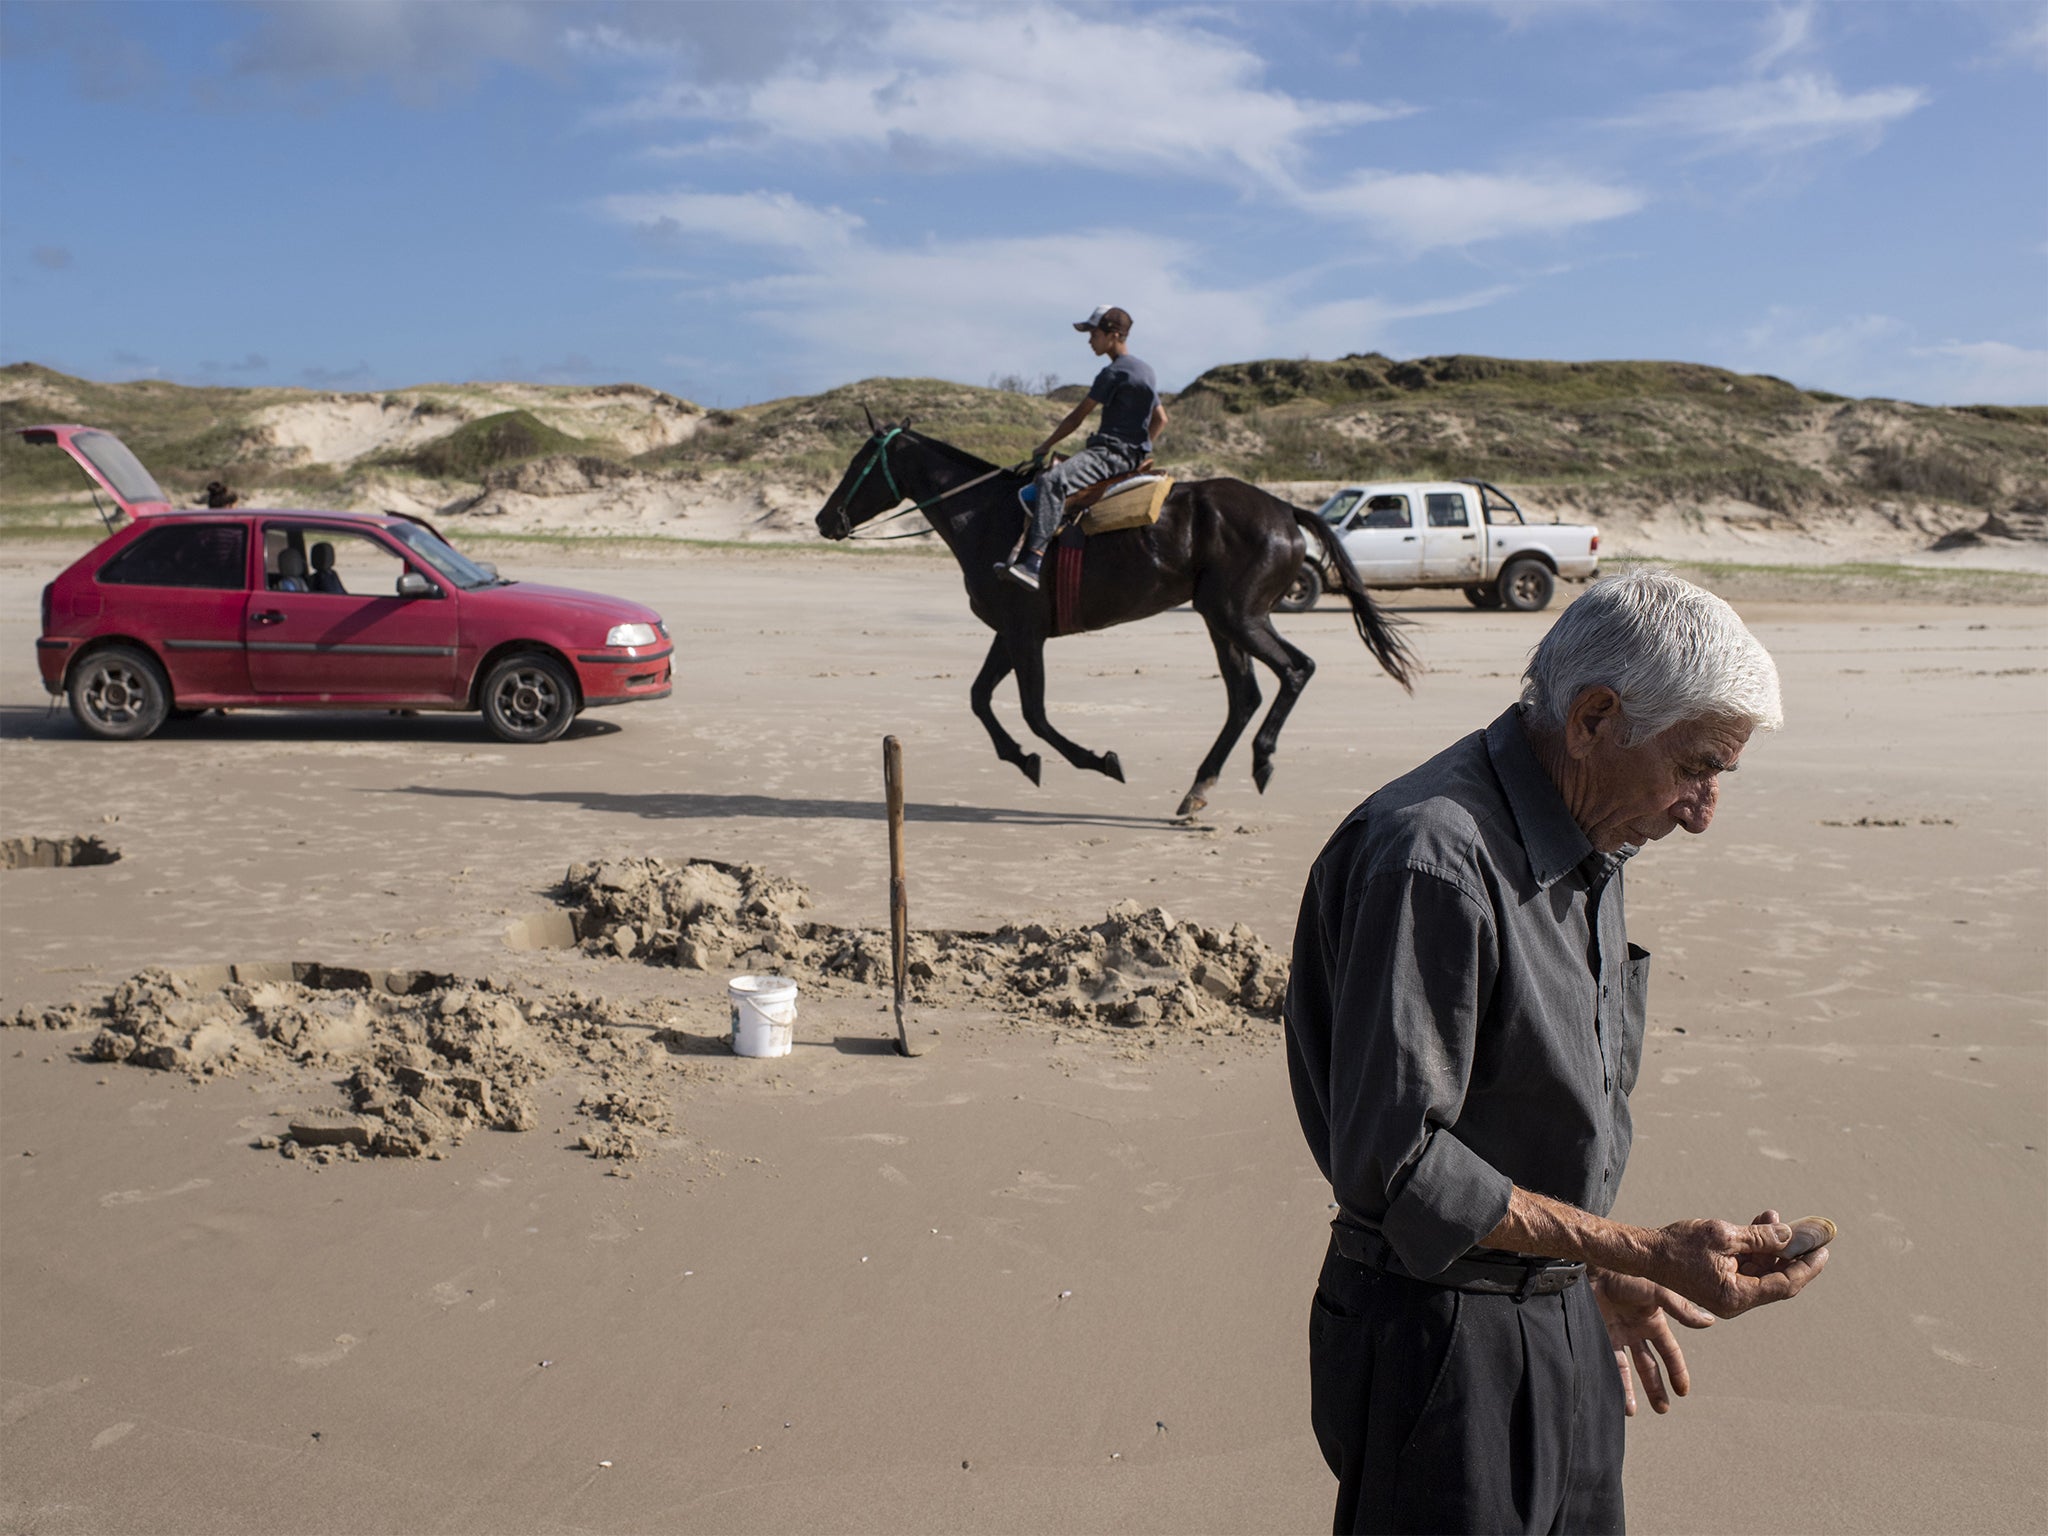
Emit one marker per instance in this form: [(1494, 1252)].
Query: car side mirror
[(413, 584)]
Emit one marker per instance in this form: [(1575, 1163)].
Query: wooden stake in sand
[(899, 894)]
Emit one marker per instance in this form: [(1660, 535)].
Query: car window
[(1387, 512), (458, 568), (211, 555), (1447, 509), (1339, 506), (123, 471), (330, 562)]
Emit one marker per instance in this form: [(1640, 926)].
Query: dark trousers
[(1445, 1411)]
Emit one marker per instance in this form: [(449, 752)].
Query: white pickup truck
[(1450, 533)]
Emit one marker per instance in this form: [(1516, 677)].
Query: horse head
[(868, 488)]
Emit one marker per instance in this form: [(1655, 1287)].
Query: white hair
[(1670, 650)]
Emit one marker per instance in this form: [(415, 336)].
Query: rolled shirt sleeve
[(1415, 959)]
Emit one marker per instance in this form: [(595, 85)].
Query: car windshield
[(1339, 506), (460, 569), (118, 467)]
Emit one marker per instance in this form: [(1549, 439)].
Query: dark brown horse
[(1226, 547)]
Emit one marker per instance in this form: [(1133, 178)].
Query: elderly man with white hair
[(1464, 1025)]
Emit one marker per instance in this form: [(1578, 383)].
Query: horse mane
[(959, 455)]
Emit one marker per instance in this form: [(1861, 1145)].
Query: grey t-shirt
[(1127, 393)]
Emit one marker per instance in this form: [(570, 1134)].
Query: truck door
[(1452, 550), (1382, 540), (329, 623)]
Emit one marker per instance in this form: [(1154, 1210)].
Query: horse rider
[(1131, 418)]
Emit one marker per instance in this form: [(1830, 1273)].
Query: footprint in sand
[(110, 1434), (894, 1174), (140, 1196), (1933, 1329), (1037, 1187), (314, 1360)]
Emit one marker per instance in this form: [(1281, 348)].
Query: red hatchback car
[(231, 608)]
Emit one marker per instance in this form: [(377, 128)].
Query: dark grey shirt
[(1127, 393), (1465, 1011)]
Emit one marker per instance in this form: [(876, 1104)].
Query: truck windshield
[(1339, 506), (120, 468), (460, 569)]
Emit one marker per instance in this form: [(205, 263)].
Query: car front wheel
[(529, 698), (1526, 585), (119, 694)]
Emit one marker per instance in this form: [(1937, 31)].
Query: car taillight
[(1596, 544), (46, 605)]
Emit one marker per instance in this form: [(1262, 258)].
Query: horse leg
[(983, 693), (1243, 690), (1294, 667), (1029, 660)]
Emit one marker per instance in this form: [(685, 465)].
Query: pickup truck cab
[(1451, 533)]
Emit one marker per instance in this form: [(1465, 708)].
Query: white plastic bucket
[(763, 1015)]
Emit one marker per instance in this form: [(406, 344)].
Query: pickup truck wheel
[(529, 698), (1308, 586), (1487, 596), (1526, 585), (119, 694)]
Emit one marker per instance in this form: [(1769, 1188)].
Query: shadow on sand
[(680, 807), (27, 722)]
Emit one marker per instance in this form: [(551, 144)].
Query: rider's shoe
[(1024, 570)]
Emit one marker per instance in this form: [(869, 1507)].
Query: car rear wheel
[(529, 698), (119, 694), (1308, 586), (1526, 585), (1487, 596)]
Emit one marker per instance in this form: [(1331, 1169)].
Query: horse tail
[(1380, 633)]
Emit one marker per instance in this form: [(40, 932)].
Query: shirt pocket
[(1635, 1013)]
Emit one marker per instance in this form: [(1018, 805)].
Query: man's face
[(1100, 340), (1635, 795)]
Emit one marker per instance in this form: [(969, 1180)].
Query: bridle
[(881, 457)]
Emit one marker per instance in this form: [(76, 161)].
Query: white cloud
[(1428, 210), (1031, 83), (1876, 355), (1787, 30), (2029, 40), (962, 309), (1787, 112), (1988, 372), (418, 47), (773, 219)]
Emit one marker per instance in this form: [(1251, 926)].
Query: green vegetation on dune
[(1605, 439), (475, 448)]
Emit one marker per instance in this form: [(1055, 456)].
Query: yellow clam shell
[(1809, 1233)]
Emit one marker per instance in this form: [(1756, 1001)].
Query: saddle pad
[(1066, 581), (1135, 504)]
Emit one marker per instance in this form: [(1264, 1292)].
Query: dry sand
[(1051, 1276)]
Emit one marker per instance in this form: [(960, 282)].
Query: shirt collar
[(1554, 842)]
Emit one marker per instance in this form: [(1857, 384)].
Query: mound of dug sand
[(1136, 967), (416, 1060)]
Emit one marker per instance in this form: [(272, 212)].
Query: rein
[(881, 457)]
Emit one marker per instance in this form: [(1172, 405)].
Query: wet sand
[(760, 1328)]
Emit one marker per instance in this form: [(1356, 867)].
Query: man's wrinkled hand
[(1638, 1314), (1729, 1269)]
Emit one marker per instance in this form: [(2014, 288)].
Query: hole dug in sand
[(1136, 968), (417, 1059), (55, 853)]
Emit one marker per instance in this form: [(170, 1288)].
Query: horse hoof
[(1031, 766), (1112, 767), (1262, 774), (1197, 798)]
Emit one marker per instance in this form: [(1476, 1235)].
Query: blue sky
[(736, 202)]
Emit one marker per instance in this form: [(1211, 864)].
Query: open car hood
[(107, 460)]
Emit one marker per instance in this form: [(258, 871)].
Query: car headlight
[(630, 634)]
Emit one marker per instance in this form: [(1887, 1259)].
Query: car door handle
[(1407, 538), (267, 616), (1468, 537)]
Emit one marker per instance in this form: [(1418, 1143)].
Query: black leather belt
[(1481, 1270)]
